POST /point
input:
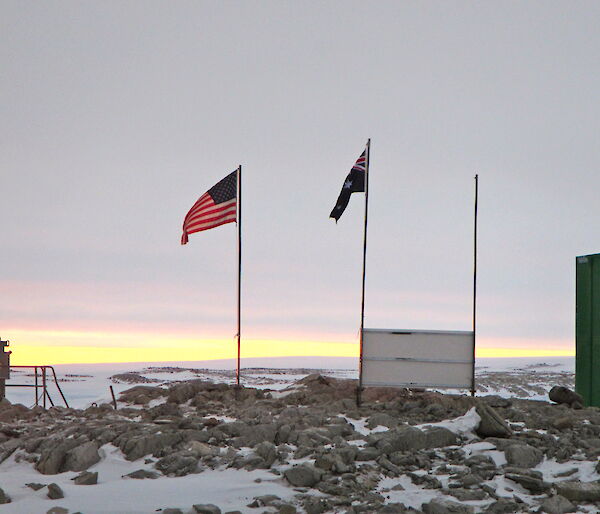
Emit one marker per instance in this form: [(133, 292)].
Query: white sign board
[(417, 358)]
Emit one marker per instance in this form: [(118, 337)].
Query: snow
[(84, 384), (586, 470), (231, 489), (463, 425)]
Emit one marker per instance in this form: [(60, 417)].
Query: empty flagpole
[(239, 282), (474, 281), (364, 269)]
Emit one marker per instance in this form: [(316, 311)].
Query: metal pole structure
[(364, 269), (239, 283), (36, 387), (474, 282), (44, 385)]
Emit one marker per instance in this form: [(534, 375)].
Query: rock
[(557, 505), (569, 472), (393, 508), (497, 401), (563, 423), (202, 449), (4, 498), (523, 456), (81, 457), (178, 464), (368, 453), (57, 510), (402, 439), (172, 511), (51, 461), (138, 446), (382, 419), (285, 508), (264, 500), (315, 505), (467, 494), (503, 506), (35, 486), (439, 437), (143, 473), (207, 508), (564, 395), (55, 492), (268, 452), (333, 462), (491, 424), (471, 479), (443, 506), (427, 481), (579, 491), (303, 475), (86, 478), (532, 484), (389, 466)]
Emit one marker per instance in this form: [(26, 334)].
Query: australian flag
[(354, 183)]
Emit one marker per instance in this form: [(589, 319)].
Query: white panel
[(413, 358)]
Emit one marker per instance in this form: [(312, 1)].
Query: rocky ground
[(401, 451)]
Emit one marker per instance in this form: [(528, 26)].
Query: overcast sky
[(116, 116)]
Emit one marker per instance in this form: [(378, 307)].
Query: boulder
[(207, 508), (55, 492), (532, 484), (201, 449), (81, 457), (439, 437), (393, 508), (579, 491), (523, 456), (4, 498), (402, 439), (491, 423), (178, 464), (443, 506), (51, 460), (368, 453), (557, 505), (143, 473), (267, 451), (135, 447), (303, 475), (564, 395), (503, 506), (382, 419), (57, 510), (463, 495), (264, 501), (86, 478)]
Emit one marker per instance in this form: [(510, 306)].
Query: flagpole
[(364, 269), (474, 282), (239, 281)]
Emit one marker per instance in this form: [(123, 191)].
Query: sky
[(116, 116)]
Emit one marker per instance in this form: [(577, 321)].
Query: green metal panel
[(587, 330)]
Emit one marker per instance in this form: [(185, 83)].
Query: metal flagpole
[(364, 269), (239, 282), (474, 282)]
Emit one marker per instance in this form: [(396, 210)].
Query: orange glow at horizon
[(35, 347)]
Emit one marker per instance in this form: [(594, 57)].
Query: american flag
[(214, 208)]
